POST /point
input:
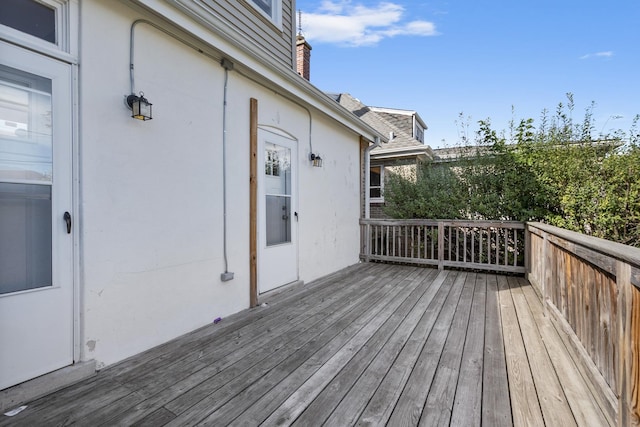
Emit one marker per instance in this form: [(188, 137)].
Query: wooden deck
[(374, 344)]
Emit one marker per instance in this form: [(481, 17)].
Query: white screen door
[(277, 206), (36, 251)]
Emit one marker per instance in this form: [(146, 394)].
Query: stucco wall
[(151, 192), (330, 202)]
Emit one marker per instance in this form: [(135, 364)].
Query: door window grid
[(376, 183), (277, 194)]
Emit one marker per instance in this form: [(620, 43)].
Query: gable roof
[(404, 119), (401, 143)]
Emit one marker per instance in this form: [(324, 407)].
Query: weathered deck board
[(321, 365), (374, 344), (437, 410), (378, 354), (467, 407), (583, 405), (553, 403), (383, 401), (495, 393), (524, 401), (392, 355), (244, 388)]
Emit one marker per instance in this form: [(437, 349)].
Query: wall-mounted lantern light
[(316, 160), (140, 107)]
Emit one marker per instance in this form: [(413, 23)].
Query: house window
[(269, 8), (376, 183), (419, 133), (31, 17)]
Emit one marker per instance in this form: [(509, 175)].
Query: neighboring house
[(117, 234), (400, 153)]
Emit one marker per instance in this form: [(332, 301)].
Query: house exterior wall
[(377, 211), (405, 168), (150, 193), (275, 40), (330, 203)]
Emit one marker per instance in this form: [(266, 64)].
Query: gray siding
[(240, 14)]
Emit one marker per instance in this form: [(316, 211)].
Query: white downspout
[(367, 177)]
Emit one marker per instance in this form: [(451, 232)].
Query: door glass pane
[(25, 237), (25, 126), (278, 220), (277, 169), (29, 16), (26, 174)]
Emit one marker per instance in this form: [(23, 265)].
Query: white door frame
[(277, 264), (64, 256)]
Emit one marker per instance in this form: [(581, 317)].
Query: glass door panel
[(26, 178), (25, 227), (278, 194), (25, 126)]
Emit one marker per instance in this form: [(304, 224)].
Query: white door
[(277, 210), (36, 249)]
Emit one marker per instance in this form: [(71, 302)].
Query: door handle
[(67, 219)]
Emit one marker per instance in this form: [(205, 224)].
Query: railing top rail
[(446, 222), (626, 253)]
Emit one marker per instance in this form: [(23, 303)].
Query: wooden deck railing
[(591, 289), (480, 245)]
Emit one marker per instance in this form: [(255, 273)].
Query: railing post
[(546, 273), (440, 245), (367, 242), (527, 251), (627, 360)]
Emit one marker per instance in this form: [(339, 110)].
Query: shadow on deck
[(374, 344)]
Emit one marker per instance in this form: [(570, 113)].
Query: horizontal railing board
[(626, 253), (432, 222), (596, 258), (476, 245), (591, 287)]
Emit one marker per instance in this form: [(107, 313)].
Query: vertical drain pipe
[(367, 177), (228, 66)]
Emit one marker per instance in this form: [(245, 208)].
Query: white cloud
[(349, 24), (607, 54)]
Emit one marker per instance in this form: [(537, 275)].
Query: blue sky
[(480, 58)]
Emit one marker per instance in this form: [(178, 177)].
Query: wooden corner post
[(253, 203), (440, 245), (628, 358)]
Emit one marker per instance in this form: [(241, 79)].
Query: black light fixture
[(316, 160), (140, 107)]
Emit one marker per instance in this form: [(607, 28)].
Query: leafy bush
[(558, 173)]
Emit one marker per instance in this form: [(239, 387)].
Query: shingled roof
[(401, 142)]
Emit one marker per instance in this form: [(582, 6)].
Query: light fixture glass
[(316, 160), (140, 107)]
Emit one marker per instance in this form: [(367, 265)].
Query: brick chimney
[(303, 56)]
